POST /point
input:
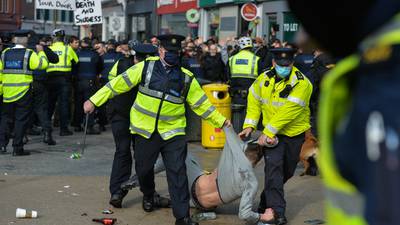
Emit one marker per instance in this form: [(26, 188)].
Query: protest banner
[(88, 12), (55, 4)]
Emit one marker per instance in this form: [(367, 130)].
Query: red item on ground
[(105, 221)]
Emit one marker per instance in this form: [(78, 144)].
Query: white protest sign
[(88, 12), (55, 4)]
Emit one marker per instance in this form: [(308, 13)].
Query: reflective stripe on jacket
[(65, 54), (344, 203), (284, 104), (166, 108), (17, 69), (244, 65)]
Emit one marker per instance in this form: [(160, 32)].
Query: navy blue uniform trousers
[(280, 165), (124, 144), (173, 152)]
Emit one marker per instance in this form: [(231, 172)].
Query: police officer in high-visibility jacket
[(243, 69), (40, 94), (282, 96), (119, 109), (59, 80), (158, 120), (358, 118), (18, 64)]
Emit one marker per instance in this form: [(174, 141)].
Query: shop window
[(63, 15), (60, 15), (4, 6), (213, 22), (272, 26), (176, 24)]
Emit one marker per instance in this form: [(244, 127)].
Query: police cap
[(145, 49), (171, 42), (21, 33), (283, 56)]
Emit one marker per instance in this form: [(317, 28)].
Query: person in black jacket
[(89, 67), (321, 65), (40, 93), (213, 66), (119, 112)]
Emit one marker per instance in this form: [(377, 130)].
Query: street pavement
[(68, 191)]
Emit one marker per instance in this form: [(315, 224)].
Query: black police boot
[(161, 202), (93, 131), (185, 221), (116, 199), (65, 132), (148, 203), (48, 138), (19, 151), (78, 129), (131, 183), (3, 150)]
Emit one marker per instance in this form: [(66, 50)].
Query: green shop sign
[(290, 27)]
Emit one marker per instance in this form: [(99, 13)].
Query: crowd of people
[(140, 89)]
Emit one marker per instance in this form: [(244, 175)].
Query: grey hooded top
[(236, 178)]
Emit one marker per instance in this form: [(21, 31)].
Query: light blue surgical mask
[(283, 71)]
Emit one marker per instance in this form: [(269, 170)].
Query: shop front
[(175, 17), (278, 21), (141, 19), (224, 18)]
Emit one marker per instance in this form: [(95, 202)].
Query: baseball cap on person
[(283, 56)]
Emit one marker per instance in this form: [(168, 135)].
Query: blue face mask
[(172, 58), (283, 71)]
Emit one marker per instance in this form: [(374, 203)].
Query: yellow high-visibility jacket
[(151, 104), (284, 104), (113, 72), (17, 68), (1, 79), (344, 203), (66, 55), (244, 65)]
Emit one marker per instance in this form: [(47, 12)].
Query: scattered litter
[(5, 174), (59, 191), (75, 194), (107, 211), (67, 186), (204, 216), (2, 180), (105, 221), (84, 214), (23, 213), (314, 222), (12, 222), (75, 155)]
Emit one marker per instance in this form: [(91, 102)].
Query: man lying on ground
[(234, 178)]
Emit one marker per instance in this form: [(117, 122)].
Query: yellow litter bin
[(218, 94)]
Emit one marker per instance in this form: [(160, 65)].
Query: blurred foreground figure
[(358, 116)]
